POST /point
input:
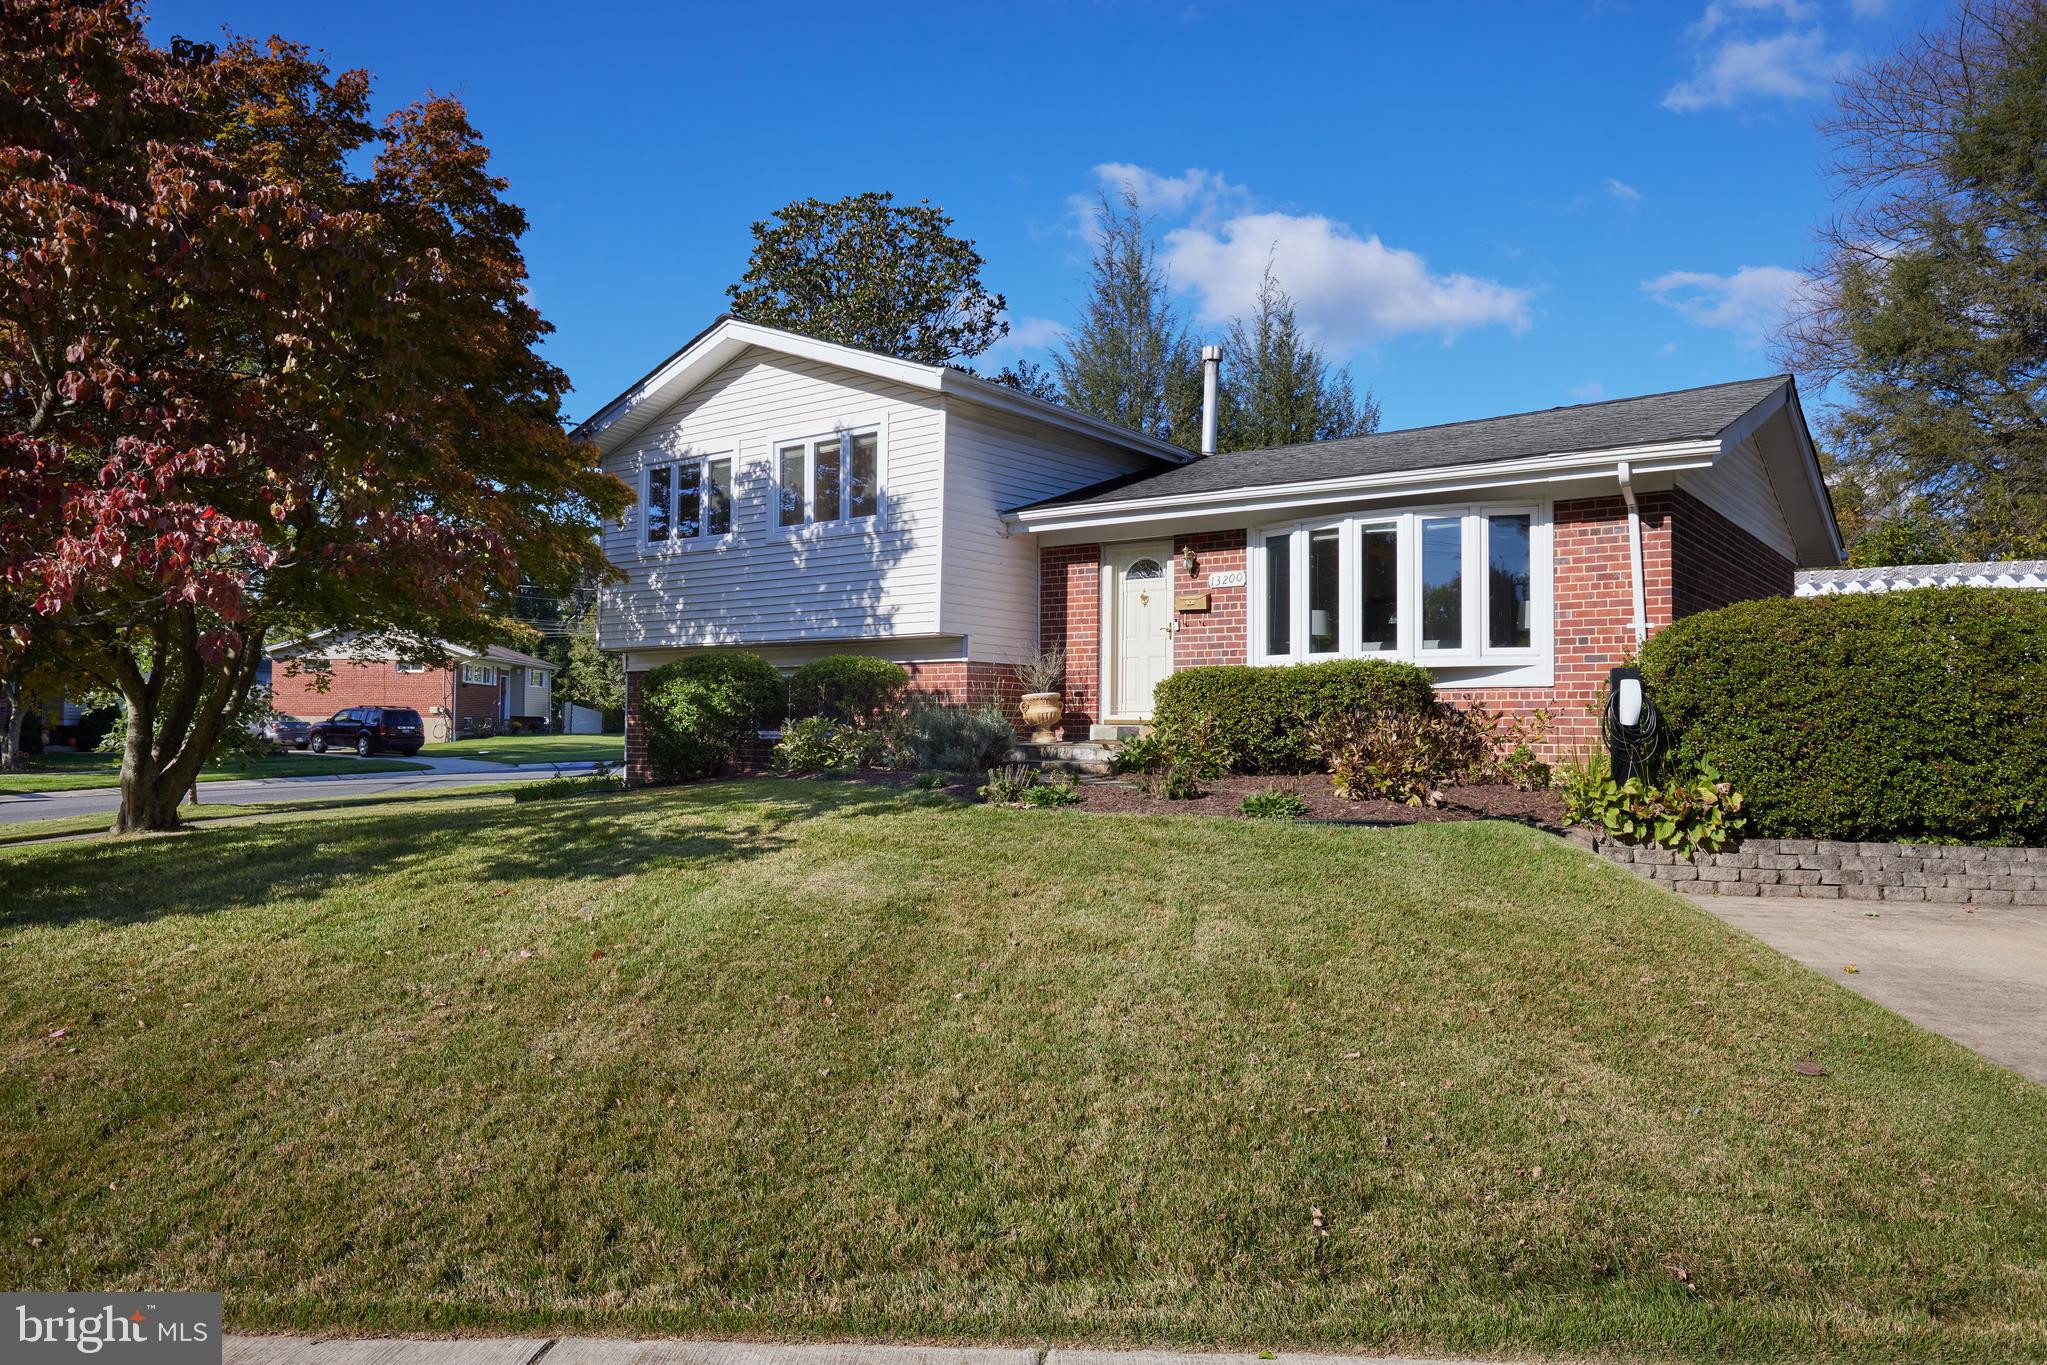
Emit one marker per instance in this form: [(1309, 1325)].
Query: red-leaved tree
[(250, 386)]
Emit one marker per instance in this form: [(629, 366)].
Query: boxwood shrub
[(1875, 716), (846, 687), (1263, 716), (699, 711)]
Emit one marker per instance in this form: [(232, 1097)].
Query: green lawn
[(793, 1059), (56, 772), (534, 749)]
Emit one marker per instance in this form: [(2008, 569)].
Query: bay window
[(687, 500), (828, 479), (1453, 586)]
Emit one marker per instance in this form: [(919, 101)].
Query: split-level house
[(799, 498)]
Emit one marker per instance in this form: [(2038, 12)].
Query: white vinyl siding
[(871, 577), (994, 463), (1738, 487)]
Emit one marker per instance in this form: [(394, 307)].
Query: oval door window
[(1144, 569)]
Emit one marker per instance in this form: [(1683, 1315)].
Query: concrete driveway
[(1975, 973)]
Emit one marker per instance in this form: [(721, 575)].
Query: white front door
[(1141, 624)]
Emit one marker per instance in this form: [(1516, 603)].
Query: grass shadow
[(580, 839)]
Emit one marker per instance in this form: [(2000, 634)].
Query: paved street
[(1975, 973), (442, 772)]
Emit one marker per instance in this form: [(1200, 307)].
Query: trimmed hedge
[(846, 687), (755, 677), (1876, 716), (1263, 716), (700, 710)]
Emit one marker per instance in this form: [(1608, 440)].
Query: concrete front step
[(1064, 757)]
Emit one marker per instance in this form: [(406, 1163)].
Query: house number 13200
[(1233, 578)]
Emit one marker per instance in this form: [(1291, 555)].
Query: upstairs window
[(828, 479), (688, 500)]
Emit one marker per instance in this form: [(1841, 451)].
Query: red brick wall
[(1218, 635), (359, 682), (1717, 563), (1070, 617), (1594, 614)]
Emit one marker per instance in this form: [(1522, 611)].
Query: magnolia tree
[(266, 368)]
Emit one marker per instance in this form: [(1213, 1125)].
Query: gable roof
[(1616, 424), (710, 350), (343, 644)]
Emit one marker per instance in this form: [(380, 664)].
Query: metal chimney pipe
[(1211, 372)]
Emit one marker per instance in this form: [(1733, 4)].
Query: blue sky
[(1481, 209)]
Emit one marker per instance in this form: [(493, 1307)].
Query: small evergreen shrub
[(1262, 716), (1878, 716), (953, 739), (1273, 805), (815, 744), (847, 687), (695, 725), (759, 686)]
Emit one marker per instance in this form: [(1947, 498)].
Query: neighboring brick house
[(481, 692), (800, 498)]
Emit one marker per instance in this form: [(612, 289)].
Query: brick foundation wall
[(1219, 635), (1827, 869), (962, 682), (1070, 616)]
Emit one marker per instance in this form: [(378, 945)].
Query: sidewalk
[(622, 1351)]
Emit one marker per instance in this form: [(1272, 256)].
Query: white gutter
[(1635, 551), (1667, 458)]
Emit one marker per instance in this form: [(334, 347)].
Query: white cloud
[(1622, 191), (1025, 334), (1751, 302), (1348, 290), (1749, 50), (1588, 393), (1200, 195)]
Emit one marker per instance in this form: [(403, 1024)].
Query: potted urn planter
[(1044, 705)]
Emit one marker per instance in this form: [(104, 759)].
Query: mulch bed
[(1224, 795)]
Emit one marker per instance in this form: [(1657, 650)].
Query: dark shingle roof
[(1688, 414)]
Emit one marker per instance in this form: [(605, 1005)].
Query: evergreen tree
[(1130, 360), (1277, 388), (1930, 304)]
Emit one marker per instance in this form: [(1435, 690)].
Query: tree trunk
[(171, 732), (10, 741)]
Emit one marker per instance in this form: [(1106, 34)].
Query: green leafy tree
[(1027, 376), (1277, 388), (1929, 306), (588, 677), (1130, 360), (266, 367), (865, 271)]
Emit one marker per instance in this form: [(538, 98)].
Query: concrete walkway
[(618, 1351), (1975, 973), (439, 773)]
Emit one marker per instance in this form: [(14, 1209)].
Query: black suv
[(367, 729)]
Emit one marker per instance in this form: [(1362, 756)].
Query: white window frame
[(876, 426), (404, 667), (480, 675), (673, 542), (1475, 530)]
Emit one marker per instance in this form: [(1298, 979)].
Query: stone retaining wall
[(1823, 868)]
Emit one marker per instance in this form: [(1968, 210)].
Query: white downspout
[(1641, 594)]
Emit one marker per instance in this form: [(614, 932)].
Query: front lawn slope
[(794, 1059)]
